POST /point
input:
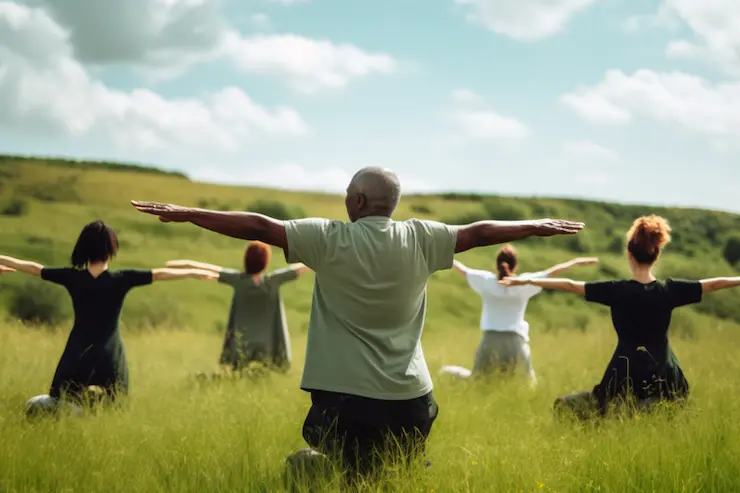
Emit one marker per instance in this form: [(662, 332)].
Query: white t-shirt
[(503, 307)]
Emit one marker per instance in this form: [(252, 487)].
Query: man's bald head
[(373, 191)]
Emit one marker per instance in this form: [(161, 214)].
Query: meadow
[(178, 434)]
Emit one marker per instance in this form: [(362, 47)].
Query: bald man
[(365, 370)]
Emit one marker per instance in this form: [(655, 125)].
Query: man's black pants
[(363, 433)]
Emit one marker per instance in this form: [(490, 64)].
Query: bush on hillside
[(276, 209), (462, 197), (731, 252), (39, 303), (499, 210), (14, 207), (421, 209), (465, 217), (61, 191)]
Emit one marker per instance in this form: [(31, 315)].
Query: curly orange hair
[(647, 237)]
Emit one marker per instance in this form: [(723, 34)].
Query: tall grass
[(177, 435)]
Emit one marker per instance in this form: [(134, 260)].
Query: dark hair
[(506, 261), (256, 258), (647, 236), (97, 243)]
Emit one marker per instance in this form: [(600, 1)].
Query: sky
[(623, 100)]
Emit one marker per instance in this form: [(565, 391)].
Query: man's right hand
[(166, 212), (553, 227)]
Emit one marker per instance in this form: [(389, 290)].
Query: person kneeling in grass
[(94, 360), (371, 392), (505, 342), (257, 331), (643, 370)]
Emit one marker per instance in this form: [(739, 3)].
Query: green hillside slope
[(44, 203)]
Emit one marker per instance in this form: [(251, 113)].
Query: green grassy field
[(179, 435)]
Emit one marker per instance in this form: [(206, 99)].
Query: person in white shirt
[(505, 341)]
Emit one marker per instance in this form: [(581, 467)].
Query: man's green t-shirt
[(369, 302)]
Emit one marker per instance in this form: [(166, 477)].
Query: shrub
[(731, 251), (276, 209), (14, 207), (466, 217), (61, 191), (617, 245), (39, 303), (421, 209), (504, 211), (465, 197)]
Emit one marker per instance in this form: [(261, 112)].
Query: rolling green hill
[(44, 203)]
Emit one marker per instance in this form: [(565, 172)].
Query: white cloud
[(44, 88), (465, 96), (287, 176), (259, 20), (151, 32), (481, 123), (590, 151), (525, 20), (291, 176), (677, 98), (489, 125), (164, 38), (715, 24), (307, 64), (664, 18)]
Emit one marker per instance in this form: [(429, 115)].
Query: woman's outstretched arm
[(166, 274), (5, 270), (568, 285), (717, 283), (299, 269), (576, 262), (460, 268), (192, 264), (24, 266)]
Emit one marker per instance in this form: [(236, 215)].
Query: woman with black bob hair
[(94, 357), (643, 370)]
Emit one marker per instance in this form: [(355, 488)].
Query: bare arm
[(568, 285), (717, 283), (485, 233), (24, 266), (576, 262), (192, 264), (299, 269), (5, 270), (241, 225), (460, 267), (178, 274)]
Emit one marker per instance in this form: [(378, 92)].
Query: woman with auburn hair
[(256, 330), (643, 370), (505, 341), (94, 357)]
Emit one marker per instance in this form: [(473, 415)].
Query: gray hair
[(380, 186)]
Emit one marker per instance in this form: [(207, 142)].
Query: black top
[(94, 354), (643, 361)]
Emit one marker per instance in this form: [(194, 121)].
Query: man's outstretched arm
[(485, 233), (241, 225)]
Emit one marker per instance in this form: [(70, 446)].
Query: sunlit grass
[(175, 434)]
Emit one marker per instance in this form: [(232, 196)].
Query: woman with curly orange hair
[(644, 368), (256, 330)]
